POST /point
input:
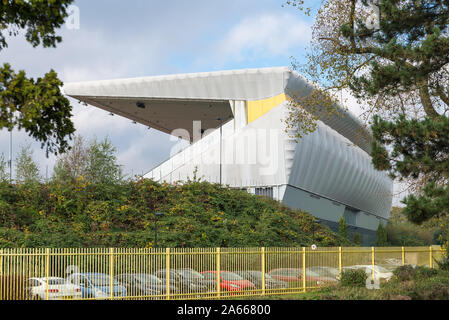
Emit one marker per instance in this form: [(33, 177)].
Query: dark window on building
[(266, 192)]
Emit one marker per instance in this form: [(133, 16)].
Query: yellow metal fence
[(190, 273)]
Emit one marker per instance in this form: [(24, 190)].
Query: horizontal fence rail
[(209, 273)]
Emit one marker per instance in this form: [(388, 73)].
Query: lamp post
[(10, 157), (313, 229), (156, 214), (221, 138)]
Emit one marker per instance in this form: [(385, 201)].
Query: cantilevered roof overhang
[(172, 102)]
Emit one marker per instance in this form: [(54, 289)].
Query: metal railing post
[(167, 273), (111, 273), (218, 273), (47, 271), (304, 269), (403, 256), (430, 257), (339, 263), (2, 283), (372, 258), (262, 251)]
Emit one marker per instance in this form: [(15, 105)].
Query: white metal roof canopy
[(178, 100)]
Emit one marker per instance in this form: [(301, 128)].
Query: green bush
[(353, 278), (408, 272), (196, 214), (404, 273)]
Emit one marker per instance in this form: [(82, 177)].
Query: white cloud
[(264, 35)]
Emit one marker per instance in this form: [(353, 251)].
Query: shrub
[(404, 273), (353, 278)]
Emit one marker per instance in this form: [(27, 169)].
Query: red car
[(295, 275), (229, 281)]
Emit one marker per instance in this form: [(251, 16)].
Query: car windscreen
[(230, 276), (312, 273), (191, 274), (55, 281), (148, 279), (288, 273), (100, 280)]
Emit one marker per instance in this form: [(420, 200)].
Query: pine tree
[(394, 56), (357, 238), (343, 228), (381, 235)]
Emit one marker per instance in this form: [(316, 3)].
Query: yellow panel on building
[(258, 108)]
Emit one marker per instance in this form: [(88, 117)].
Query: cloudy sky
[(122, 39)]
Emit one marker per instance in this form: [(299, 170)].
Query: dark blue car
[(96, 285)]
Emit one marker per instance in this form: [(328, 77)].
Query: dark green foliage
[(381, 235), (35, 105), (357, 238), (343, 228), (417, 148), (408, 272), (401, 232), (353, 278), (38, 18), (196, 214)]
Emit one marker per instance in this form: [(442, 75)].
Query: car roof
[(89, 274), (44, 278)]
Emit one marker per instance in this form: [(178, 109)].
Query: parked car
[(184, 283), (229, 281), (53, 288), (286, 274), (96, 285), (143, 285), (296, 274), (327, 272), (192, 275), (256, 278), (379, 272)]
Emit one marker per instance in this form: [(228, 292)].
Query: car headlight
[(319, 282)]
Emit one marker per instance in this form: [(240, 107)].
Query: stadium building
[(235, 123)]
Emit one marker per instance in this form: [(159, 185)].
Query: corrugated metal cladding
[(327, 164)]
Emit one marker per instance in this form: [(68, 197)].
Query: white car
[(54, 289), (379, 272)]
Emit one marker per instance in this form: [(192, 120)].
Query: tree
[(26, 169), (36, 105), (357, 238), (3, 174), (102, 163), (393, 56), (343, 228), (72, 164), (381, 235), (94, 161)]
